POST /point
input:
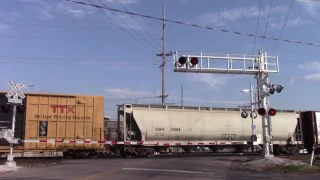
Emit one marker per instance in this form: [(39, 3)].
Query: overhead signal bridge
[(224, 63), (259, 65)]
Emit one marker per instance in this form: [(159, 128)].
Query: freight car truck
[(151, 128), (72, 124)]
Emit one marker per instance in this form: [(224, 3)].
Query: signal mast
[(261, 66)]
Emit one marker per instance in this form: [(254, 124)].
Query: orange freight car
[(72, 124)]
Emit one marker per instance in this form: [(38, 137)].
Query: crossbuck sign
[(16, 93)]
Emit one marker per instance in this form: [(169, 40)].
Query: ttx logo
[(69, 109)]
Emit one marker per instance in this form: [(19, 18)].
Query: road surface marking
[(99, 174), (165, 170)]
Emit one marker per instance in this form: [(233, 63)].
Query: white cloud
[(75, 12), (292, 81), (311, 7), (4, 27), (124, 2), (234, 14), (214, 81), (311, 66), (127, 92)]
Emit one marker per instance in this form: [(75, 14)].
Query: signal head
[(194, 61), (182, 60), (261, 111), (272, 112), (271, 90), (5, 108), (21, 109), (244, 114), (279, 88)]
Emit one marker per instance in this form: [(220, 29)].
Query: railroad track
[(155, 156)]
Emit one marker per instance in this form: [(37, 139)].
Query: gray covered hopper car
[(150, 128)]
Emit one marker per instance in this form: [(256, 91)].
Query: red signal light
[(182, 60), (5, 108), (21, 109), (194, 61), (272, 112), (261, 111)]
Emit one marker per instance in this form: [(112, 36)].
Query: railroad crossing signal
[(260, 66), (193, 61), (15, 92), (278, 88), (263, 111)]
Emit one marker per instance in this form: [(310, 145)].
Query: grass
[(297, 168)]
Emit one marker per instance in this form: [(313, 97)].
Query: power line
[(129, 26), (139, 23), (276, 23), (194, 25), (74, 22), (117, 23), (81, 63), (285, 22), (255, 38), (63, 38), (265, 31), (62, 26)]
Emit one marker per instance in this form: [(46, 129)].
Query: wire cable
[(116, 23), (255, 38), (285, 22), (194, 25), (129, 26), (274, 29), (265, 31), (139, 23)]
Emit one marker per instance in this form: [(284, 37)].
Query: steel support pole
[(252, 116), (265, 125), (10, 156)]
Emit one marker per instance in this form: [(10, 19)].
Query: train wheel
[(124, 153), (69, 155), (93, 155), (150, 153), (283, 151)]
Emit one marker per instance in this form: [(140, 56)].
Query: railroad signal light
[(261, 111), (279, 88), (272, 112), (182, 60), (271, 90), (5, 108), (254, 115), (194, 61), (244, 114), (21, 109)]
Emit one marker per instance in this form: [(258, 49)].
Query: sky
[(63, 47)]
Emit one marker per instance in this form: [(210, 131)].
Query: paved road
[(187, 168)]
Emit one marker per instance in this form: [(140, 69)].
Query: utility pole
[(181, 95), (163, 65)]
